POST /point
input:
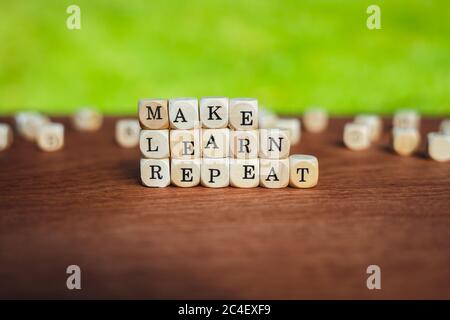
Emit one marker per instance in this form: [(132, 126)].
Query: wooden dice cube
[(185, 144), (274, 144), (293, 128), (407, 119), (127, 133), (445, 126), (28, 124), (374, 123), (267, 119), (243, 114), (214, 112), (153, 114), (87, 119), (274, 173), (155, 172), (50, 137), (315, 120), (185, 173), (244, 144), (405, 140), (439, 146), (215, 143), (154, 144), (356, 136), (215, 173), (244, 173), (184, 113), (303, 171), (6, 136)]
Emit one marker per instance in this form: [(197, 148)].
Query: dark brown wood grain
[(85, 206)]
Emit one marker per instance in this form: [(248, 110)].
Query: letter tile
[(303, 171), (185, 173), (153, 114), (154, 144), (244, 144), (87, 119), (185, 144), (215, 143), (50, 137), (6, 136), (407, 119), (405, 141), (274, 144), (155, 172), (214, 112), (273, 173), (184, 113), (356, 136), (244, 173), (374, 123), (127, 133), (215, 173), (315, 119), (439, 146), (243, 114)]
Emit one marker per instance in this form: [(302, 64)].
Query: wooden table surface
[(84, 205)]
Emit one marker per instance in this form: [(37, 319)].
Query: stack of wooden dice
[(217, 143)]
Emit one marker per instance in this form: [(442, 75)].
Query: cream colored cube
[(50, 137), (315, 120), (127, 133), (293, 127), (154, 144), (184, 113), (215, 173), (6, 136), (244, 144), (274, 144), (155, 172), (267, 119), (356, 136), (153, 114), (29, 122), (185, 144), (374, 123), (243, 114), (185, 173), (87, 119), (214, 112), (303, 171), (405, 140), (273, 174), (445, 126), (244, 173), (215, 143), (439, 146), (406, 119)]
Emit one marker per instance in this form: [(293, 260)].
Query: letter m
[(153, 114)]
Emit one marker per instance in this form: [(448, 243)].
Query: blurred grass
[(288, 54)]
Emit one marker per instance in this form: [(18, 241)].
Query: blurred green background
[(288, 54)]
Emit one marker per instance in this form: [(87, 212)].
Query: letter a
[(374, 20), (374, 280), (74, 280), (74, 20)]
